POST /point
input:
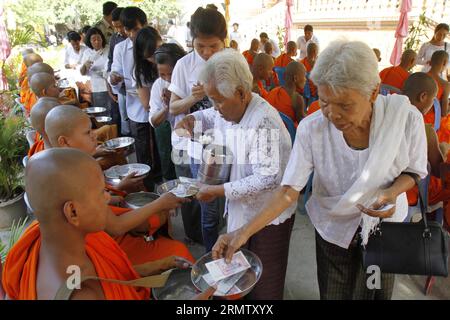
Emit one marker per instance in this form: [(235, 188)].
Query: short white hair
[(347, 64), (227, 70)]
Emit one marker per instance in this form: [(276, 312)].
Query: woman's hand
[(198, 92), (165, 96), (185, 128), (209, 193), (115, 78), (228, 244), (386, 197)]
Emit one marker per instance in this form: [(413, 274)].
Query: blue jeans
[(210, 216)]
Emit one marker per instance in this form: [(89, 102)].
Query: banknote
[(219, 269)]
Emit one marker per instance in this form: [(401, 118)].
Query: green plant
[(22, 36), (281, 35), (416, 32), (13, 147), (16, 232)]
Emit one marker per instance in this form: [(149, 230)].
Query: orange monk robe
[(38, 146), (248, 56), (24, 90), (22, 73), (308, 67), (110, 262), (140, 251), (444, 129), (394, 76), (283, 60), (262, 91), (280, 99), (313, 107)]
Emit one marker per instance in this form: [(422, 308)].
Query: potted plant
[(13, 146)]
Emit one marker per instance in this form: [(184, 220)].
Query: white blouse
[(425, 53), (97, 72), (320, 148), (261, 145)]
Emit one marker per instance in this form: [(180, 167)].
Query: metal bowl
[(178, 286), (170, 185), (119, 172), (245, 284), (118, 143), (139, 199), (94, 110), (103, 119)]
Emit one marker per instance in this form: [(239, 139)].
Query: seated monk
[(291, 51), (23, 66), (421, 90), (395, 76), (25, 91), (65, 188), (438, 63), (261, 70), (286, 99), (68, 126), (252, 52), (36, 68), (312, 52), (313, 107)]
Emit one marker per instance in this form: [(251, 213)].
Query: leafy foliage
[(416, 32), (16, 231), (13, 146)]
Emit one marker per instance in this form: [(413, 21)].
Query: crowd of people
[(364, 147)]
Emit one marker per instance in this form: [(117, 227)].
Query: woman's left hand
[(207, 193), (386, 197)]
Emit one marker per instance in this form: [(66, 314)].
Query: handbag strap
[(422, 204)]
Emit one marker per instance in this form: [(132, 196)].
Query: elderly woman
[(256, 136), (364, 150)]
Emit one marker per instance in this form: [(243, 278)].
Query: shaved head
[(39, 67), (408, 55), (418, 83), (66, 186), (438, 58), (263, 59), (312, 50), (26, 51), (262, 66), (31, 59), (69, 126), (42, 82), (38, 114), (293, 69), (291, 48), (254, 45)]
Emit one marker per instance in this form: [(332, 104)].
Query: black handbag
[(408, 248)]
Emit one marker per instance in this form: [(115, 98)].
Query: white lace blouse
[(261, 146)]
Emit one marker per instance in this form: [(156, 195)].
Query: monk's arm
[(435, 156), (444, 100), (154, 267), (119, 225), (179, 106)]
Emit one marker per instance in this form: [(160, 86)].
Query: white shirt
[(97, 72), (236, 36), (74, 58), (184, 76), (321, 148), (276, 50), (172, 32), (302, 44), (123, 64), (157, 103), (425, 53), (260, 144)]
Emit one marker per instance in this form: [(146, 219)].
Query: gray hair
[(347, 64), (228, 70)]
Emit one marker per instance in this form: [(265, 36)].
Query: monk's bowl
[(119, 143), (139, 199), (94, 110), (178, 286)]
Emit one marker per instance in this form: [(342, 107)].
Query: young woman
[(165, 57), (94, 64)]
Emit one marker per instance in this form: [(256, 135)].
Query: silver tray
[(140, 199), (103, 119), (94, 110), (119, 172), (118, 143)]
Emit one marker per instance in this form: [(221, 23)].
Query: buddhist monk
[(421, 90), (252, 52), (23, 66), (261, 70), (25, 92), (286, 99), (68, 126), (395, 76), (65, 188), (312, 51), (438, 63), (291, 51), (32, 70)]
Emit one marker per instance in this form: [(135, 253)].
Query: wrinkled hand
[(198, 92), (101, 151), (169, 201), (386, 197), (228, 244), (206, 194), (185, 128), (115, 78), (131, 183)]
